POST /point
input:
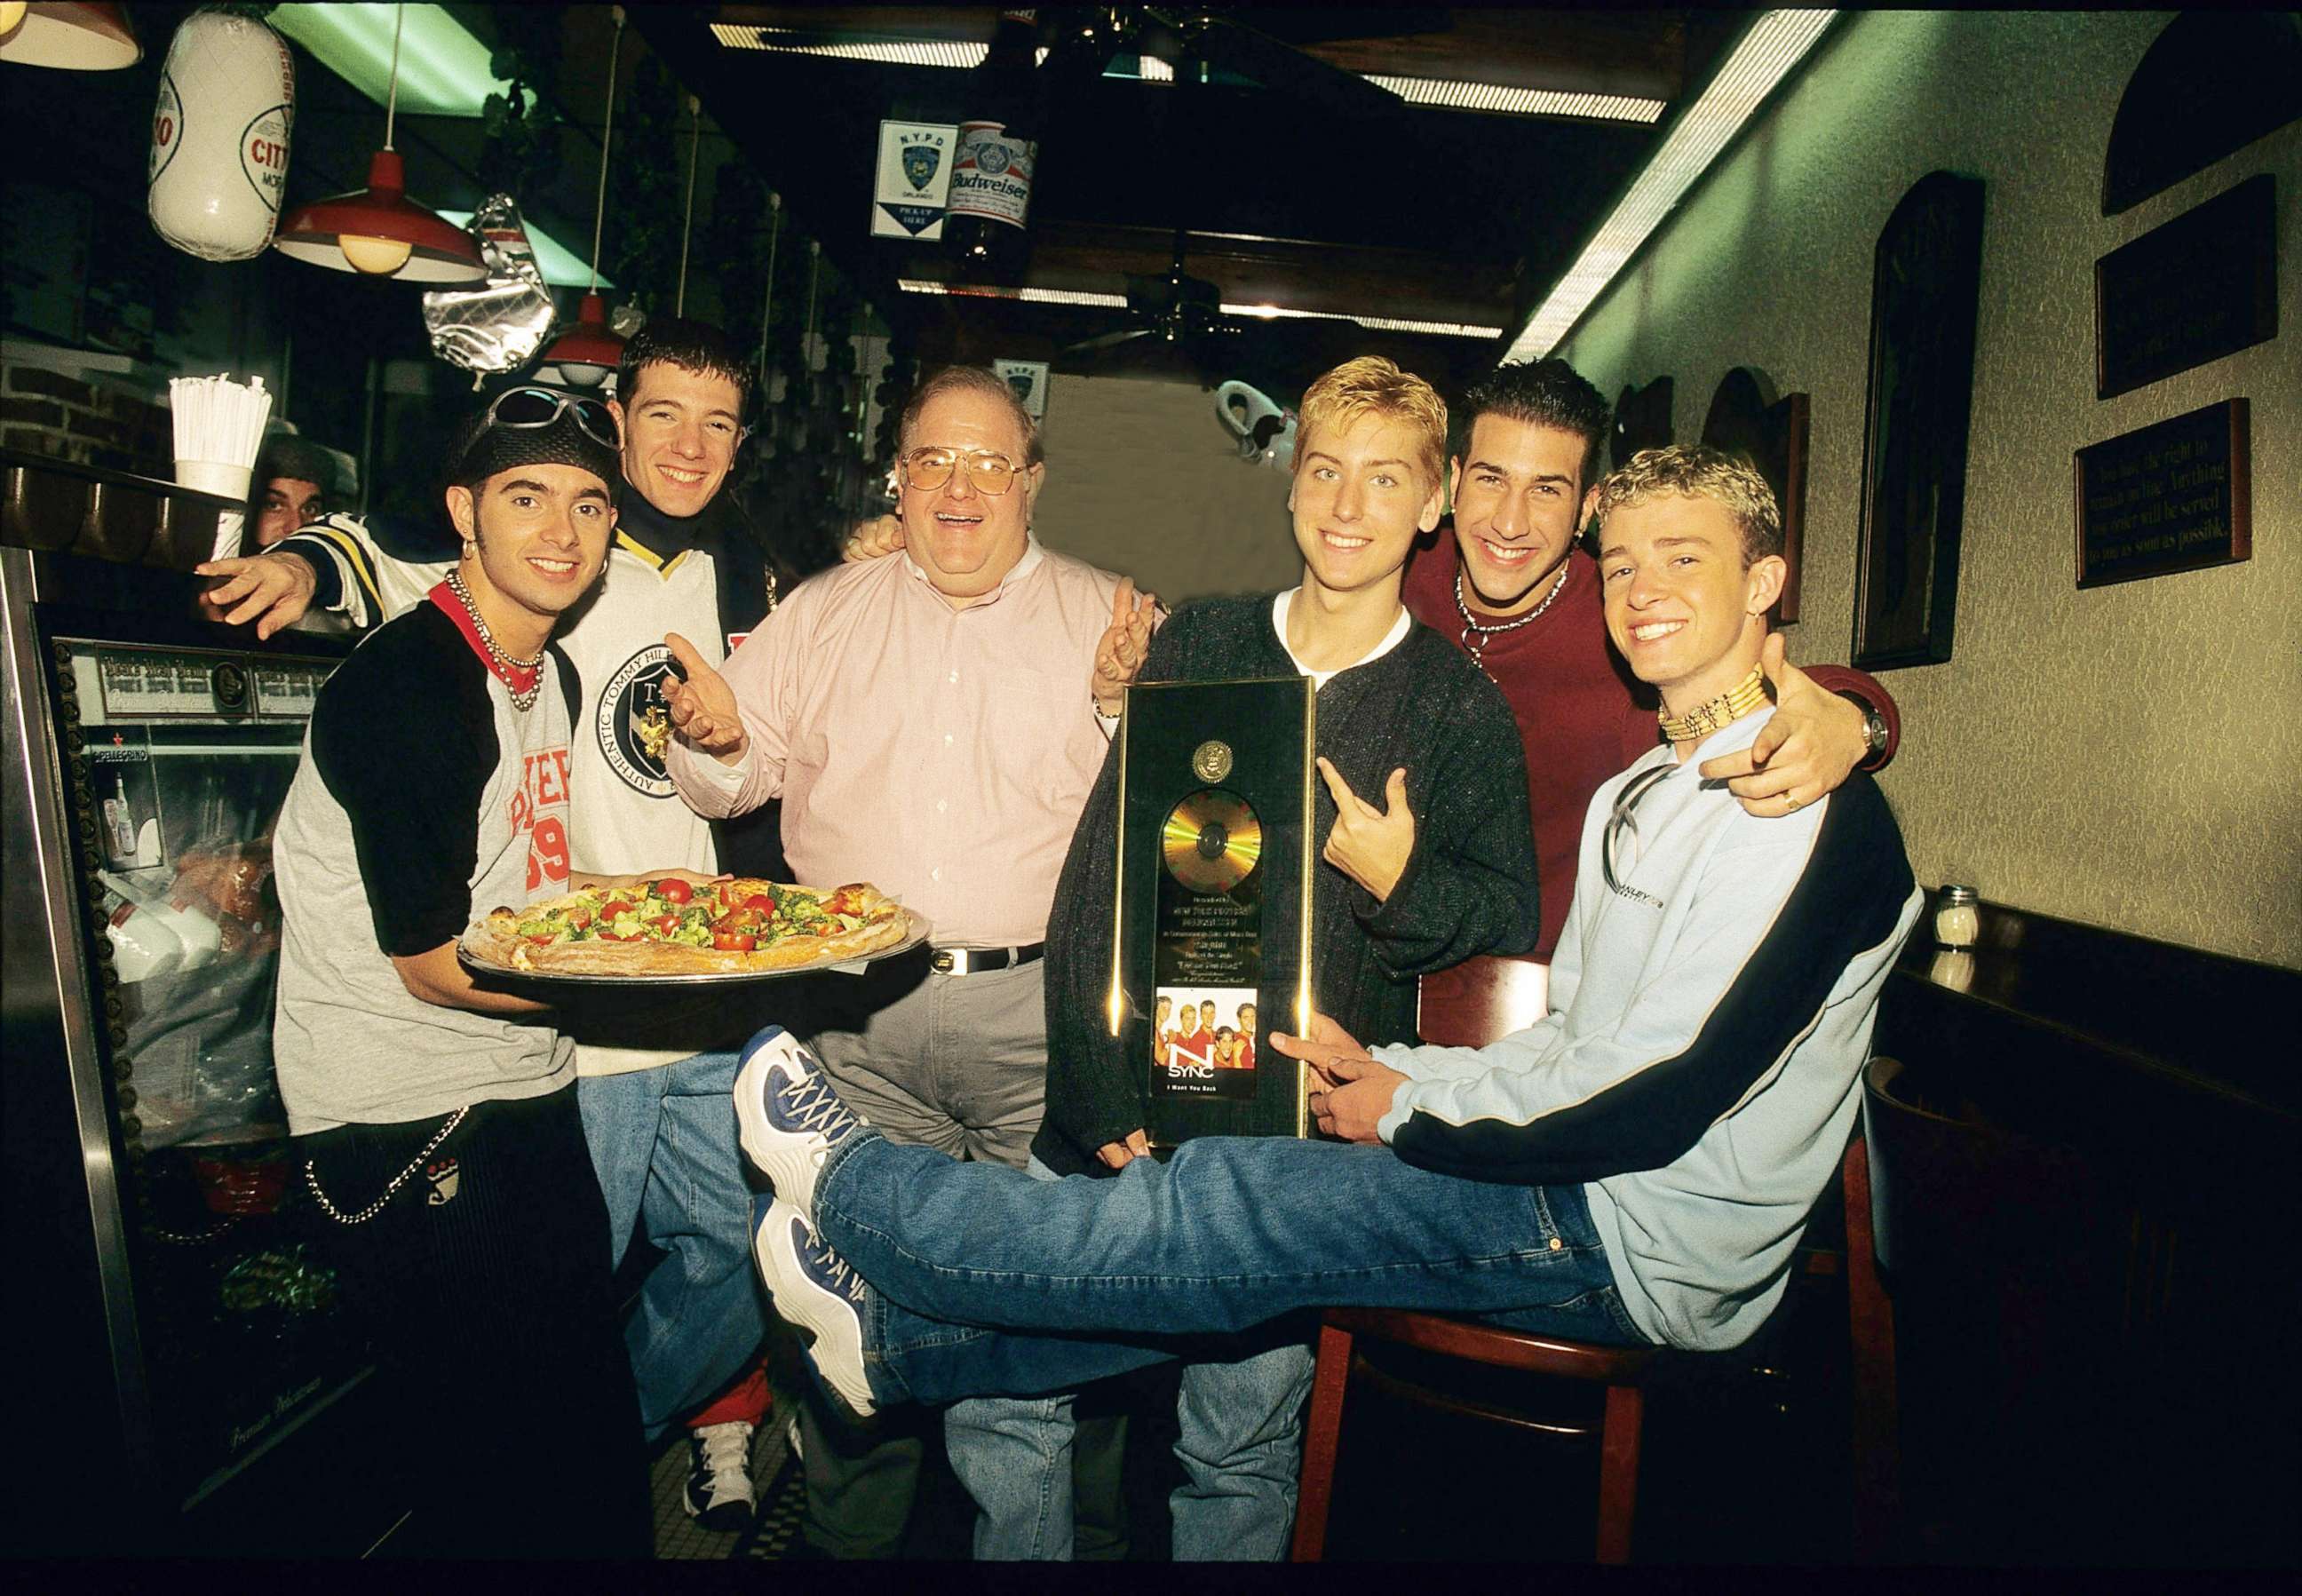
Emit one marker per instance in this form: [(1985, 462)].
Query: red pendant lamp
[(586, 355), (87, 37), (378, 231)]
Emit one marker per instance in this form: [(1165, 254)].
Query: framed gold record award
[(1212, 951)]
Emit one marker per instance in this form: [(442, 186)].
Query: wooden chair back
[(1480, 1001)]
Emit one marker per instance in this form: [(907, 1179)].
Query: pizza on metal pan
[(670, 927)]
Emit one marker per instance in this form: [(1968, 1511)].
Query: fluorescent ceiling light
[(1379, 324), (1776, 42), (560, 265), (1449, 94), (922, 52), (1444, 92), (443, 70), (739, 35), (1057, 296), (1028, 296)]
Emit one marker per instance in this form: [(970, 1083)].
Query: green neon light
[(561, 267), (443, 70)]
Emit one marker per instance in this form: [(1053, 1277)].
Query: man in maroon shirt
[(1512, 585)]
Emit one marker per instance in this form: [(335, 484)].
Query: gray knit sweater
[(1469, 887)]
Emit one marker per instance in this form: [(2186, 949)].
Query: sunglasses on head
[(531, 407)]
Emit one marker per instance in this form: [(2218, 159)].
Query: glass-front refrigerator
[(185, 1351)]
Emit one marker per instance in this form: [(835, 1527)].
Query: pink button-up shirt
[(943, 755)]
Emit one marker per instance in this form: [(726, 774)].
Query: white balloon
[(220, 136)]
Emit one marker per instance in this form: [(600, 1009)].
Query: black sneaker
[(719, 1494)]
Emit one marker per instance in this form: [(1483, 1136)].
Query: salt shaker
[(1957, 923)]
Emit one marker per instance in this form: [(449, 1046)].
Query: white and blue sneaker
[(816, 1292), (790, 1116)]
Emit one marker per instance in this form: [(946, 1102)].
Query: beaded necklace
[(1475, 633), (509, 670)]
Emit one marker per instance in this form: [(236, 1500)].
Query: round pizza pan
[(711, 978)]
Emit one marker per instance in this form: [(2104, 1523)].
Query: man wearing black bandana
[(654, 1100), (439, 1119)]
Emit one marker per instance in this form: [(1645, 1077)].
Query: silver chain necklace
[(1476, 633), (312, 1177), (506, 666)]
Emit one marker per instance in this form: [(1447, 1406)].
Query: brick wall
[(47, 413)]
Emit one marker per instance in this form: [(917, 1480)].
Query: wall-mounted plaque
[(2214, 83), (2173, 496), (1747, 420), (1926, 290), (1213, 906), (2198, 288)]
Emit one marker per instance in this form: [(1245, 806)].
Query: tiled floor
[(774, 1475)]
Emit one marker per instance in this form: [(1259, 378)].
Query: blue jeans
[(663, 1142), (1240, 1443), (990, 1283), (1240, 1418)]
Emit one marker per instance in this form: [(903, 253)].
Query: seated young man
[(1636, 1168)]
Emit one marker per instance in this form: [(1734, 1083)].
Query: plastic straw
[(219, 422)]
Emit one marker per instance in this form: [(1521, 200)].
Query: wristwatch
[(1874, 729)]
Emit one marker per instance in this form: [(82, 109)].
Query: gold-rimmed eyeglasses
[(927, 469)]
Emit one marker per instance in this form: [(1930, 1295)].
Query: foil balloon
[(220, 136), (498, 324)]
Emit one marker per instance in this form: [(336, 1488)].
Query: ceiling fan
[(1180, 311)]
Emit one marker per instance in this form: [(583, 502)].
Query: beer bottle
[(997, 158)]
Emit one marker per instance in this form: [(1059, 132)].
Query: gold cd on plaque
[(1211, 840)]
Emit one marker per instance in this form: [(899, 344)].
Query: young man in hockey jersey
[(654, 1101)]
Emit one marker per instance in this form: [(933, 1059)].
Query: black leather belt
[(970, 961)]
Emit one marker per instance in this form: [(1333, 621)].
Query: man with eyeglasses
[(653, 1089), (1635, 1168), (928, 724)]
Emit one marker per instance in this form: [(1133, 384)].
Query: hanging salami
[(220, 136)]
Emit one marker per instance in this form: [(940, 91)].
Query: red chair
[(1473, 1004)]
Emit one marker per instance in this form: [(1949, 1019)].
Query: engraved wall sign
[(2202, 286), (2173, 496)]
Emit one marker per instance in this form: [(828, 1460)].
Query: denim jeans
[(1240, 1448), (1013, 1454), (663, 1143), (1240, 1419), (1240, 1443), (990, 1283)]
